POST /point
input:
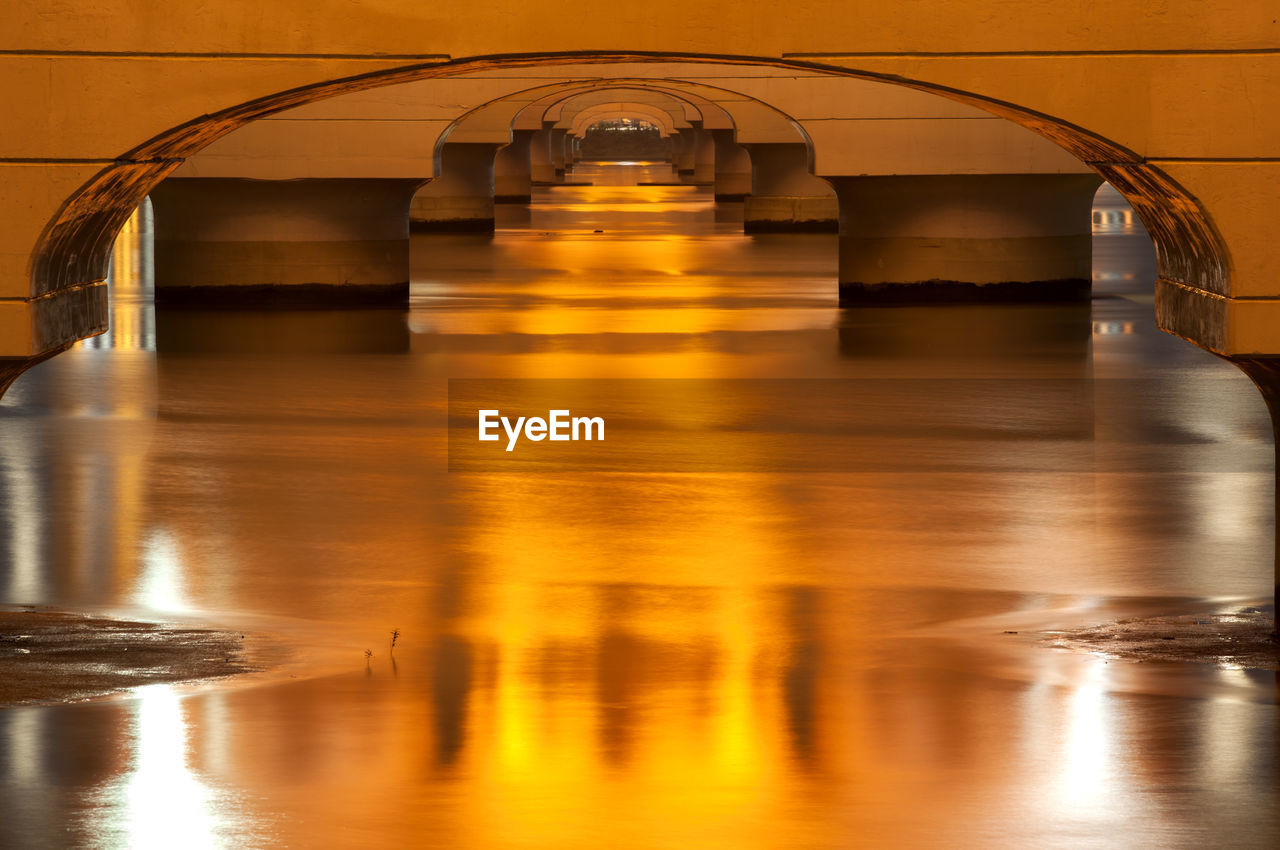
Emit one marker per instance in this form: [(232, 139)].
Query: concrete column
[(733, 168), (785, 197), (558, 141), (460, 199), (512, 181), (311, 332), (684, 150), (542, 169), (979, 237), (317, 242), (704, 158), (1265, 374)]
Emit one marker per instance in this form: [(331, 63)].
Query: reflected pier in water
[(774, 659)]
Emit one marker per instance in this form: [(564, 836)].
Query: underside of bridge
[(979, 159), (891, 419), (846, 122)]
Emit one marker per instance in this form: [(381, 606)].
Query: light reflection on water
[(164, 803), (644, 660)]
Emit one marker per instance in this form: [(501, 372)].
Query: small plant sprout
[(395, 636)]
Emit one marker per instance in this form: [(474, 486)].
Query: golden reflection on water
[(164, 802), (132, 324), (637, 660), (82, 434)]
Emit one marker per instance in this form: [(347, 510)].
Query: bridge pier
[(541, 168), (1265, 374), (785, 197), (978, 237), (684, 152), (704, 157), (460, 199), (316, 242), (733, 167), (512, 181), (570, 154), (558, 141)]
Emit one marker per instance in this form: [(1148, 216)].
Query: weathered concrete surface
[(790, 214), (512, 183), (785, 196), (460, 198), (965, 237), (246, 242)]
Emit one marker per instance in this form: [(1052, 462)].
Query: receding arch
[(74, 245), (530, 115), (595, 114), (496, 120), (620, 137), (525, 109), (686, 112)]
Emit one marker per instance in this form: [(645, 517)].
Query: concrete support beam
[(785, 197), (684, 152), (1207, 198), (541, 168), (232, 242), (557, 142), (512, 181), (704, 157), (733, 167), (460, 199), (998, 237), (1265, 374)]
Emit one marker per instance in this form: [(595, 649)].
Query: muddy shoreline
[(55, 656), (1243, 639)]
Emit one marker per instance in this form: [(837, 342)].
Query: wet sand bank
[(1244, 639), (53, 656)]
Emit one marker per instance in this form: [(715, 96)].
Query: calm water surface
[(649, 659)]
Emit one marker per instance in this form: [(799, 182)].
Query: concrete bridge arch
[(62, 301), (611, 112), (1132, 90), (513, 119)]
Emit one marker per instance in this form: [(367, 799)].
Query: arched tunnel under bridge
[(918, 363), (858, 129)]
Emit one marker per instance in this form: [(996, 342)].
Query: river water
[(789, 650)]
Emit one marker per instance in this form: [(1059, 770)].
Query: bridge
[(978, 131)]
